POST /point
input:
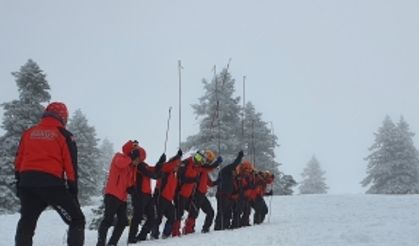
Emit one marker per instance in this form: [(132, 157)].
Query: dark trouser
[(238, 208), (246, 209), (181, 203), (166, 208), (261, 209), (139, 202), (224, 212), (112, 206), (34, 200), (201, 202), (151, 213)]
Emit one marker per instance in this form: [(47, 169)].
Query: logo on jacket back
[(43, 135)]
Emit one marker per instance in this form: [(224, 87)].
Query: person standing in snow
[(164, 193), (143, 203), (120, 180), (188, 176), (224, 191), (46, 174), (200, 198)]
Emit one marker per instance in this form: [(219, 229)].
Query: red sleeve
[(170, 166), (122, 161)]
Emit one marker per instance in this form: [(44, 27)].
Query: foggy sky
[(325, 73)]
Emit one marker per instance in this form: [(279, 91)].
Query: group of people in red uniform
[(181, 187), (46, 174)]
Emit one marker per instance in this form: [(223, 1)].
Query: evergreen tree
[(313, 179), (259, 142), (90, 170), (106, 151), (393, 165), (218, 112), (18, 116), (286, 183)]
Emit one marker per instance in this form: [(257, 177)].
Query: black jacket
[(225, 176)]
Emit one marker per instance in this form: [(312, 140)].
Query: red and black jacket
[(47, 155), (188, 176), (167, 183), (204, 179), (145, 173), (121, 176)]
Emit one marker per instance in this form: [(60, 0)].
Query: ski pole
[(167, 130), (270, 204)]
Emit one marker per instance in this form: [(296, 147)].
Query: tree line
[(224, 126)]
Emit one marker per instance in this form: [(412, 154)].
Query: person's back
[(45, 156), (46, 174), (225, 176)]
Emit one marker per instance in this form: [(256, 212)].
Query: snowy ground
[(297, 220)]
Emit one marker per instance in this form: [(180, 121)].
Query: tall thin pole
[(253, 143), (217, 111), (243, 109), (180, 100), (167, 130)]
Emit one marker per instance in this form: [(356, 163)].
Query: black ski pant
[(181, 204), (224, 212), (151, 218), (140, 202), (34, 200), (238, 208), (113, 206), (246, 210), (201, 202), (261, 210), (166, 208)]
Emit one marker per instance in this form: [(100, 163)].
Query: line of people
[(181, 186), (46, 174)]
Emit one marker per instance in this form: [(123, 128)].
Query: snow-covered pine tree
[(393, 164), (313, 179), (259, 142), (218, 112), (106, 151), (90, 170), (286, 183), (18, 116)]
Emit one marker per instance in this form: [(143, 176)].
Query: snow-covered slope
[(297, 220)]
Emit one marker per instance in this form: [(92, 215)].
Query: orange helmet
[(209, 156)]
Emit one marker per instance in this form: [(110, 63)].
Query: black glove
[(72, 187), (241, 154), (177, 156), (160, 162), (162, 159), (179, 153)]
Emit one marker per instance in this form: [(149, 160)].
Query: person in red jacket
[(263, 180), (188, 176), (200, 199), (164, 194), (142, 200), (46, 174), (121, 178), (242, 185)]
